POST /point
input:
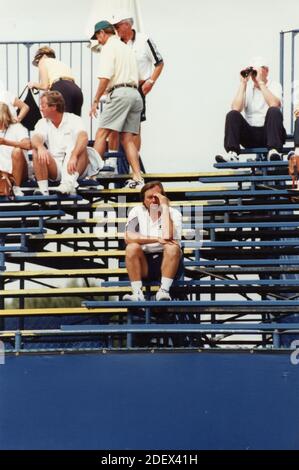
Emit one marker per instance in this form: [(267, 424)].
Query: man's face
[(100, 37), (123, 28), (150, 199), (46, 110)]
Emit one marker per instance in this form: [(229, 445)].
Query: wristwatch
[(151, 81)]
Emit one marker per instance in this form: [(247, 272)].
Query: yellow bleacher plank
[(86, 254), (58, 291), (171, 190), (186, 203), (58, 311), (63, 273)]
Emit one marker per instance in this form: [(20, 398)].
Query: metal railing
[(16, 68), (288, 74)]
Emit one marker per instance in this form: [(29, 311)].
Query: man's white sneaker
[(162, 295), (133, 184), (65, 188), (229, 157), (135, 297), (17, 191), (273, 155)]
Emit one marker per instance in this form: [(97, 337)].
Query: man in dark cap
[(119, 76)]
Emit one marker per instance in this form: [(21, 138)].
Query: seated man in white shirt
[(60, 151), (153, 234), (262, 123)]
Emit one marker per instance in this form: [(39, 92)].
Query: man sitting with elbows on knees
[(153, 234), (60, 151)]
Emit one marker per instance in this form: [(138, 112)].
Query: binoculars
[(249, 71)]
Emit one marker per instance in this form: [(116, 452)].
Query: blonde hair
[(5, 115)]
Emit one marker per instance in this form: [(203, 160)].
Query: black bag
[(34, 113)]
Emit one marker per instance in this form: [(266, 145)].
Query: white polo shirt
[(15, 132), (118, 63), (60, 139), (139, 221), (147, 54), (255, 105)]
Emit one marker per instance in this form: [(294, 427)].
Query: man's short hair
[(55, 98), (151, 185)]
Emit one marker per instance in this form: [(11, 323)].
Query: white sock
[(136, 286), (166, 283), (111, 161), (43, 186), (296, 150), (71, 179)]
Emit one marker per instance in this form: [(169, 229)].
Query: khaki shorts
[(122, 111)]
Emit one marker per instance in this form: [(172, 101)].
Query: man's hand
[(72, 164), (146, 87), (43, 155), (163, 200), (2, 141), (163, 241), (296, 111), (94, 110)]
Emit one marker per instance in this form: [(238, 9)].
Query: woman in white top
[(13, 103), (54, 75), (14, 142)]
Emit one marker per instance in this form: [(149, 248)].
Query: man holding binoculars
[(262, 123)]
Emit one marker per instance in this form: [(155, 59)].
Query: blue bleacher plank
[(244, 179), (21, 230), (251, 164), (187, 304), (181, 328), (31, 213)]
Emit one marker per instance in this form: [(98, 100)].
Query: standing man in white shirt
[(149, 60), (119, 75), (262, 123), (60, 151), (153, 234)]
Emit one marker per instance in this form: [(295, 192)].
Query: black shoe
[(274, 156), (229, 157)]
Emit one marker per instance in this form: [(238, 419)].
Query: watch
[(151, 81)]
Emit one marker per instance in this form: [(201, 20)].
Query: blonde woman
[(13, 103), (14, 142), (54, 75)]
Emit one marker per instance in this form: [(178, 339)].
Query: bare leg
[(19, 166), (82, 162), (171, 259), (136, 263), (113, 141), (137, 141), (44, 171), (100, 141), (132, 154)]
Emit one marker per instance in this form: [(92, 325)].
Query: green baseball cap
[(101, 25)]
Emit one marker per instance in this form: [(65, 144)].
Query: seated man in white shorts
[(153, 234), (60, 151)]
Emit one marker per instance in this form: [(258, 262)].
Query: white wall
[(204, 44)]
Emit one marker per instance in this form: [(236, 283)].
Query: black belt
[(121, 85), (68, 79)]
